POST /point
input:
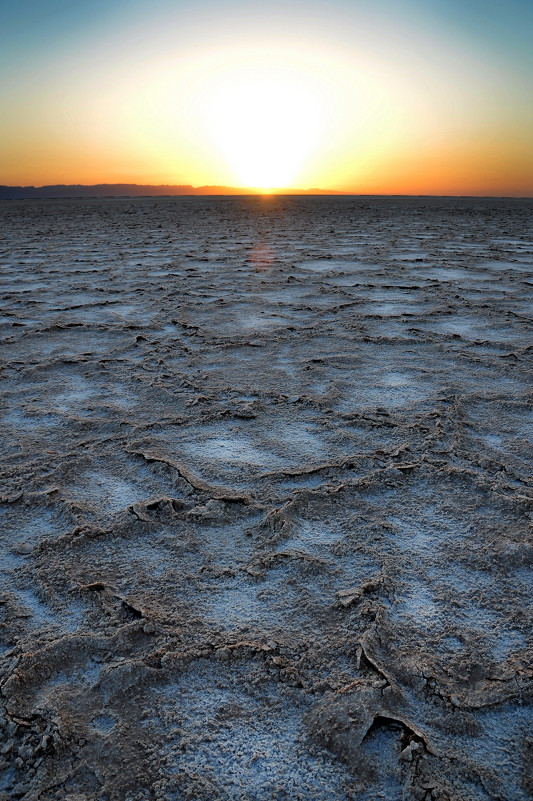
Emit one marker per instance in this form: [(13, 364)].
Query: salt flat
[(266, 499)]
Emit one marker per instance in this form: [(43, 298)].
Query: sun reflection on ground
[(261, 257)]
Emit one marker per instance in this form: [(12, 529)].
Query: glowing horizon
[(381, 98)]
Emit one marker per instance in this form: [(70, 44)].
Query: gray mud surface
[(266, 499)]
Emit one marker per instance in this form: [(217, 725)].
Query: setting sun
[(269, 96), (265, 122), (265, 403)]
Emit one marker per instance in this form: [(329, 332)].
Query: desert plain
[(266, 498)]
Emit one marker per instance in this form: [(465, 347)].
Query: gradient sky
[(388, 96)]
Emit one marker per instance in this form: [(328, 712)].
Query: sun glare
[(265, 122)]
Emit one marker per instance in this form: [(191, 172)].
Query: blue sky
[(461, 70)]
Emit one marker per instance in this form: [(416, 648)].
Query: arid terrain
[(265, 499)]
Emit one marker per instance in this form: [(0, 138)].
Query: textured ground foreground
[(266, 508)]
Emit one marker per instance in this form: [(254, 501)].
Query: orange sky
[(379, 97)]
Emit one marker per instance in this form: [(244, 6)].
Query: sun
[(264, 120)]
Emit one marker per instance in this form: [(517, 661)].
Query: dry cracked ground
[(266, 499)]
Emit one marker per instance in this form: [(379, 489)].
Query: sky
[(372, 97)]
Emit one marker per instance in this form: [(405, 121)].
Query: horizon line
[(225, 191)]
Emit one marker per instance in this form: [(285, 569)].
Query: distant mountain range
[(137, 190)]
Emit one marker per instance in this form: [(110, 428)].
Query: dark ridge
[(137, 190)]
